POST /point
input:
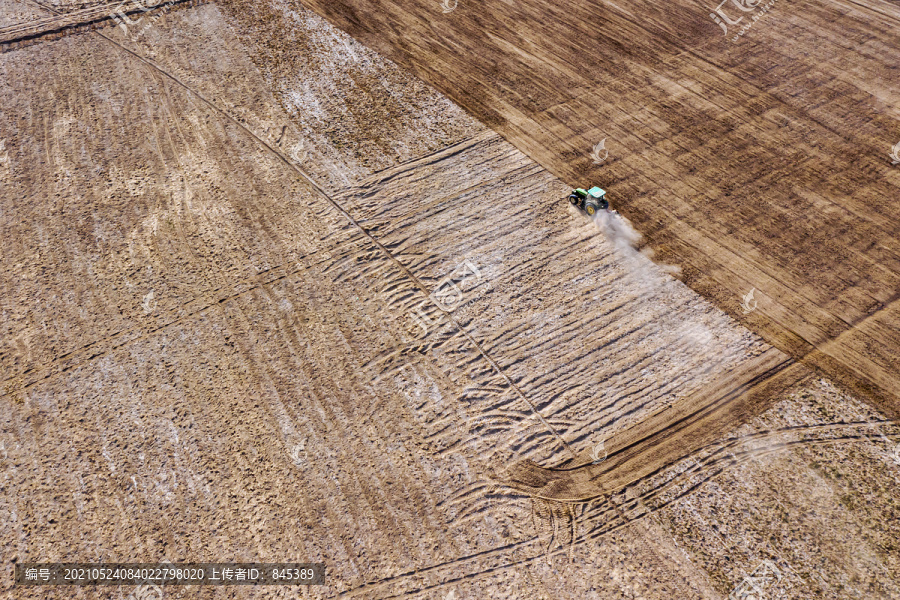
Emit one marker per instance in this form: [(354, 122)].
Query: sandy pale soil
[(273, 305), (19, 13)]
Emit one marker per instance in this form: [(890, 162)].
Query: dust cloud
[(627, 240)]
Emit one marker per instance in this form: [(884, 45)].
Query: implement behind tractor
[(590, 201)]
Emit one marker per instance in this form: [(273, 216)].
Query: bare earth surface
[(757, 158), (267, 297)]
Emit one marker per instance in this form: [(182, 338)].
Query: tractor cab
[(590, 201)]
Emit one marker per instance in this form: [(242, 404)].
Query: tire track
[(704, 147), (557, 380), (371, 238), (612, 516), (15, 36), (643, 448)]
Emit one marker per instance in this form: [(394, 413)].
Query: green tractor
[(590, 201)]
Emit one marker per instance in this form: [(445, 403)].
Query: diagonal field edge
[(353, 221)]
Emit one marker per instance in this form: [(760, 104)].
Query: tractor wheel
[(604, 204), (573, 199), (591, 208)]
